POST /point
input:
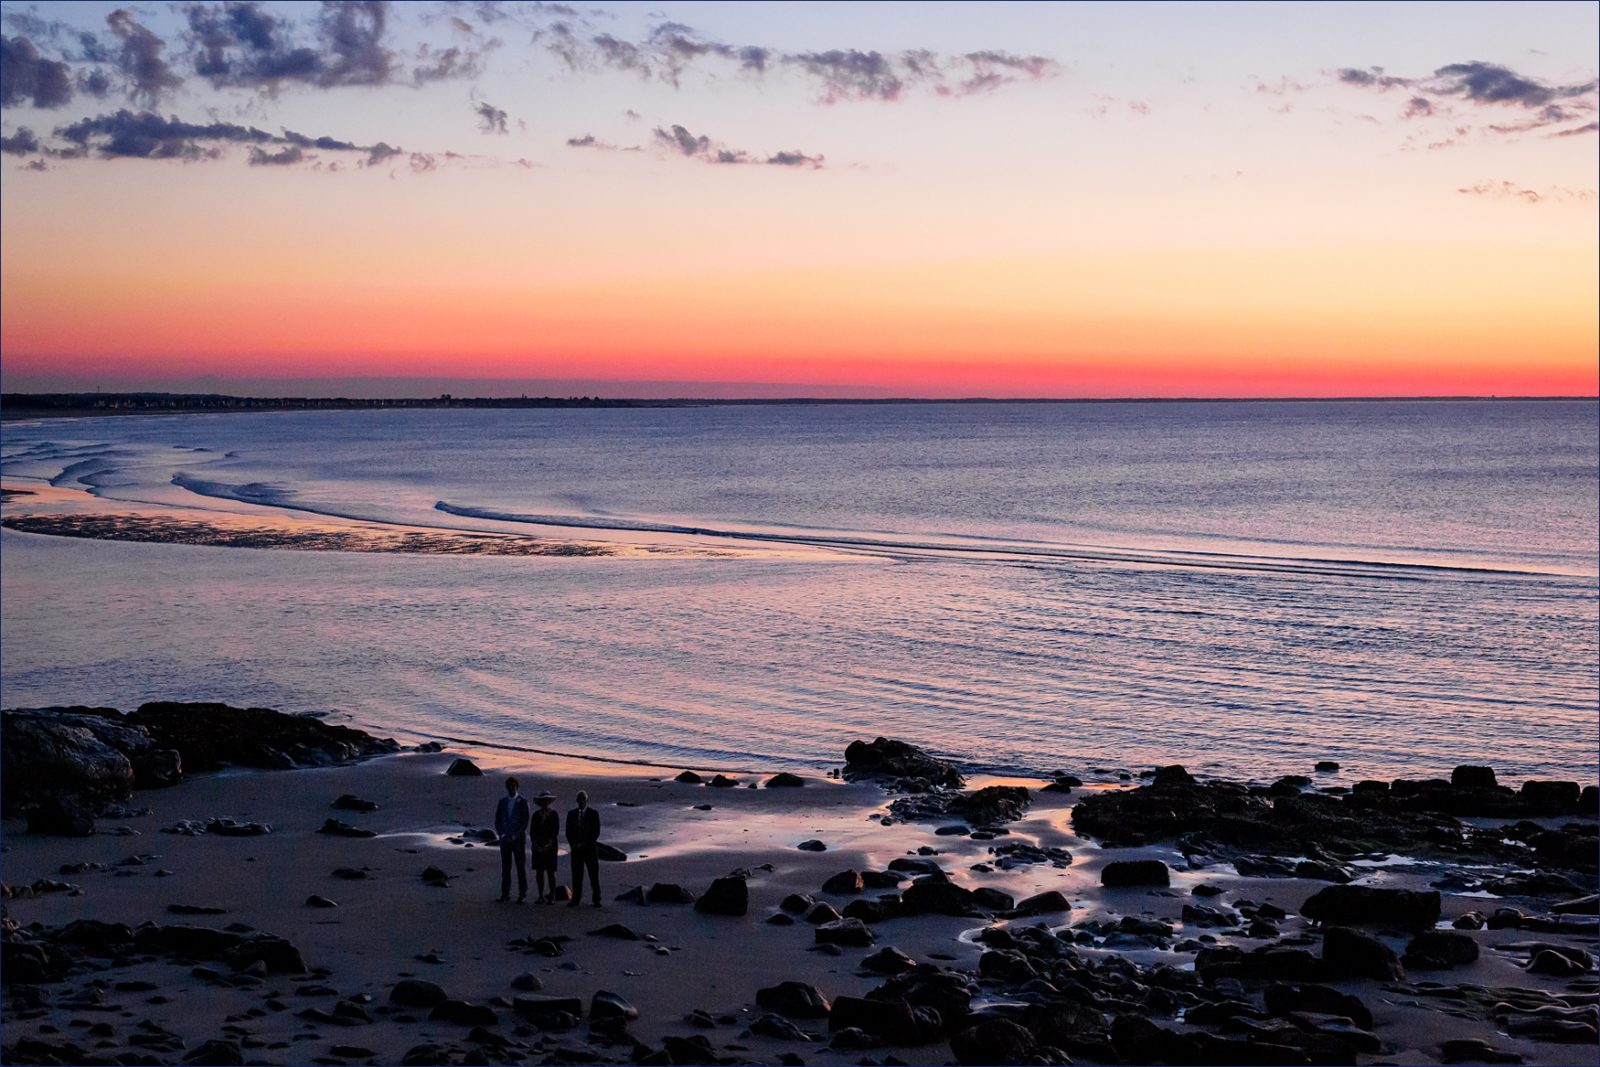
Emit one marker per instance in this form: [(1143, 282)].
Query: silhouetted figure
[(545, 834), (511, 823), (583, 833)]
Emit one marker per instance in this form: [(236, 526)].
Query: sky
[(944, 199)]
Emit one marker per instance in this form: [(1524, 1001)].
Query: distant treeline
[(36, 405)]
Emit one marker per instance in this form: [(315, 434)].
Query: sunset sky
[(932, 200)]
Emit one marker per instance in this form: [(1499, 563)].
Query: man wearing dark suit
[(583, 834), (511, 823)]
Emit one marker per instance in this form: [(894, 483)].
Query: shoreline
[(1131, 953)]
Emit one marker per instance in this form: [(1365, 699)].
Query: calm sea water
[(1246, 588)]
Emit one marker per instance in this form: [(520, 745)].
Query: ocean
[(1245, 588)]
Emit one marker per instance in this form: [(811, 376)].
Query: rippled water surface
[(1243, 587)]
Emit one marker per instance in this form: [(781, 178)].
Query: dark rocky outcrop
[(212, 736), (1349, 954), (992, 805), (461, 767), (1361, 905), (799, 1000), (887, 759), (1121, 873), (783, 779), (1434, 950)]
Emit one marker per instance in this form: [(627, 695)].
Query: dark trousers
[(517, 850), (585, 858)]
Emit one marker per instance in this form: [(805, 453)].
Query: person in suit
[(511, 823), (544, 834), (583, 834)]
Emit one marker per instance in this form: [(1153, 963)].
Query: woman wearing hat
[(544, 831)]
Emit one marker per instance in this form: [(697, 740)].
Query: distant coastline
[(15, 406)]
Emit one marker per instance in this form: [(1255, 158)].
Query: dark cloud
[(1589, 127), (490, 118), (381, 153), (353, 32), (680, 141), (283, 157), (1490, 83), (671, 49), (1419, 107), (145, 135), (21, 143), (94, 82), (1371, 76), (26, 77), (450, 64), (140, 59)]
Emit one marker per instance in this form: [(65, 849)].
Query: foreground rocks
[(60, 766)]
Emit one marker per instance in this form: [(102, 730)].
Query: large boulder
[(726, 896), (1349, 954), (212, 736), (887, 758), (1361, 905), (46, 754), (937, 895), (1120, 873), (992, 804), (799, 1000)]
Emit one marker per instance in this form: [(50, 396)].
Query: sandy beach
[(688, 975)]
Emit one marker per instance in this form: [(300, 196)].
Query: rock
[(1473, 1050), (630, 896), (872, 911), (843, 883), (1063, 784), (722, 781), (1174, 776), (1472, 920), (527, 982), (888, 1016), (881, 879), (61, 816), (461, 767), (785, 780), (993, 1040), (415, 993), (1120, 873), (216, 1053), (886, 758), (888, 960), (1327, 766), (351, 802), (463, 1013), (547, 1007), (433, 876), (349, 874), (771, 1025), (848, 933), (1046, 903), (1473, 777), (316, 901), (1367, 905), (1550, 798), (992, 805), (668, 893), (1350, 954), (1589, 905), (935, 894), (424, 1055), (1439, 950), (694, 1049), (1548, 961), (1282, 999), (1318, 871), (779, 918), (615, 931), (820, 913), (609, 853), (89, 753), (726, 896), (605, 1005), (209, 737), (339, 828), (797, 903), (688, 778), (799, 1000), (915, 865), (276, 954), (993, 899)]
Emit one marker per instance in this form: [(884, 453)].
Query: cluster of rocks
[(1250, 824), (61, 767)]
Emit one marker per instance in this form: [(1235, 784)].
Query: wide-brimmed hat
[(546, 795)]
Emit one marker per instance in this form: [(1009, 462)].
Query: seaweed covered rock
[(88, 753), (212, 736), (886, 758), (992, 804)]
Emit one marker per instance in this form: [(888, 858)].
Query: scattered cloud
[(1490, 83), (26, 77), (127, 134), (288, 156), (1481, 85), (1504, 190), (679, 141), (140, 59), (490, 118), (1588, 127), (21, 143)]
